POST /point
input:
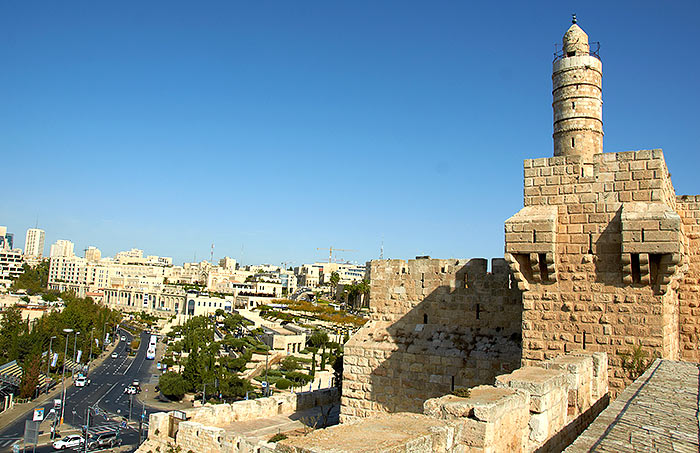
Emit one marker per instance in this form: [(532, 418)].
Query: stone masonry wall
[(435, 325), (608, 280), (205, 428), (689, 290), (540, 409)]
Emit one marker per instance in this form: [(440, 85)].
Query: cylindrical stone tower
[(578, 105)]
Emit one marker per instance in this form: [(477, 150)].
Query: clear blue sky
[(274, 128)]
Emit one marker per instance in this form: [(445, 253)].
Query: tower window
[(573, 105), (573, 142)]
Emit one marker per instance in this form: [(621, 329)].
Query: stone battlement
[(435, 325), (540, 408)]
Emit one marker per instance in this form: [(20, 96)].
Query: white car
[(131, 390), (73, 440), (123, 338), (115, 355), (82, 381)]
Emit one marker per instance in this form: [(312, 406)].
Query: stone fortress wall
[(541, 408), (435, 325)]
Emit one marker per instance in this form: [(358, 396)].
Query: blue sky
[(273, 128)]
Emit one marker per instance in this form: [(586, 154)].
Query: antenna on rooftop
[(212, 253), (381, 251), (573, 18)]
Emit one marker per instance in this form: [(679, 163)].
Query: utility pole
[(131, 403), (87, 430), (143, 414)]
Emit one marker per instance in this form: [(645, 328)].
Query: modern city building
[(34, 243), (62, 247), (93, 254)]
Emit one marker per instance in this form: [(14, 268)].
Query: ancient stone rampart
[(435, 325), (688, 206), (207, 429), (540, 408), (599, 251)]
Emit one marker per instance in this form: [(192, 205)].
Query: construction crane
[(330, 252)]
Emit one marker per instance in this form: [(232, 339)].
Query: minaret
[(577, 92)]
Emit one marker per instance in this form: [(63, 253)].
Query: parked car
[(115, 355), (82, 381), (73, 440), (104, 440)]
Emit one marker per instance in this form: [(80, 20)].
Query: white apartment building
[(313, 275), (10, 266), (62, 247), (135, 256), (34, 243), (72, 273), (93, 254)]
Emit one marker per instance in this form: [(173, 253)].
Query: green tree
[(30, 377), (318, 339), (335, 278), (34, 280), (172, 385)]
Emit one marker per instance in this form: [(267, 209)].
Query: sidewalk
[(19, 411)]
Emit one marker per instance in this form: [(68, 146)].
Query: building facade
[(34, 243)]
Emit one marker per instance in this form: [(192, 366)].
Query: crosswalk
[(8, 442)]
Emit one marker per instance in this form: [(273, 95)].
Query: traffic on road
[(106, 395)]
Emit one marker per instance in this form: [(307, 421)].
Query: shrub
[(277, 437), (284, 384)]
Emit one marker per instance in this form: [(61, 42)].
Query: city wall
[(435, 325), (542, 408), (207, 429)]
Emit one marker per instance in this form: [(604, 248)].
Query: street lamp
[(75, 354), (48, 364), (63, 376)]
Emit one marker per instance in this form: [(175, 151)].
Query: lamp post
[(75, 353), (92, 334), (104, 335), (48, 363), (63, 376)]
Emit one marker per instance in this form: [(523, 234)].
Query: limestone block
[(545, 386), (579, 378)]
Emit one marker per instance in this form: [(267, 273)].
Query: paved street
[(105, 392)]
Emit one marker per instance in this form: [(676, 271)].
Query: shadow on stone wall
[(460, 335)]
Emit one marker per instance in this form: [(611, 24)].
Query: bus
[(153, 341), (151, 352)]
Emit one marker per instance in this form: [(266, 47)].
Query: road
[(106, 391)]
